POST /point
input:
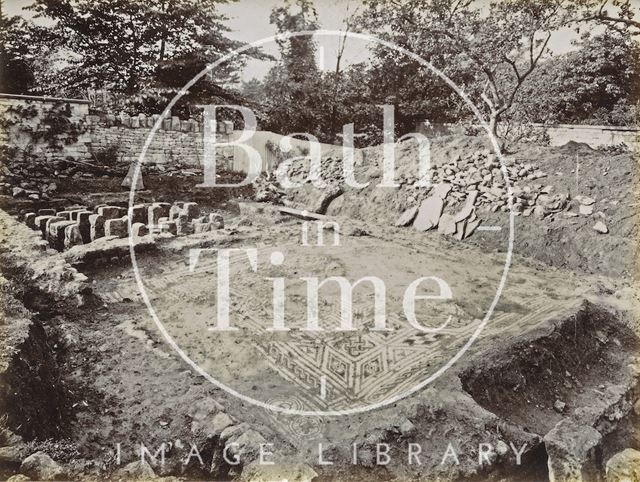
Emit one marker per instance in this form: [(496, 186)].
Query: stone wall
[(105, 136), (172, 145), (23, 124), (594, 136)]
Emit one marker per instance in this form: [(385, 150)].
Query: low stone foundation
[(76, 225)]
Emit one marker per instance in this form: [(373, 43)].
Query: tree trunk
[(494, 118)]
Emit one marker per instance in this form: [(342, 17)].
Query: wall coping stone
[(43, 98)]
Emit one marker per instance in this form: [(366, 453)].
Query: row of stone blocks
[(173, 123), (78, 225)]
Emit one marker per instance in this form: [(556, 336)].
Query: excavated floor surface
[(134, 387)]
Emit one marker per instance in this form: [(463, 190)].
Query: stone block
[(65, 214), (138, 214), (30, 220), (41, 223), (174, 212), (157, 211), (183, 225), (169, 227), (57, 233), (125, 120), (139, 229), (73, 215), (116, 227), (50, 221), (191, 209), (84, 226), (46, 212), (72, 236), (96, 226), (111, 212)]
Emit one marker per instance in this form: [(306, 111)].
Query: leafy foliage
[(17, 52), (596, 84), (154, 46)]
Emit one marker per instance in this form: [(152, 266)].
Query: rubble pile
[(38, 179), (473, 181), (78, 225)]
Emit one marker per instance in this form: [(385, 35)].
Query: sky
[(249, 22)]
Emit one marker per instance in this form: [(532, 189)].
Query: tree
[(616, 14), (595, 84), (294, 91), (16, 55), (131, 47), (499, 44)]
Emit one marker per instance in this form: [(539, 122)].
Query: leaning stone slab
[(572, 450), (470, 227), (447, 224), (407, 217), (442, 190), (429, 213), (116, 227), (96, 226)]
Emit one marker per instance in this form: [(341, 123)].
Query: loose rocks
[(40, 466), (624, 467), (571, 448)]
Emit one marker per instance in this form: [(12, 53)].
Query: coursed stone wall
[(178, 141)]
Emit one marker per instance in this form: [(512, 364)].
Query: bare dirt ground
[(561, 344)]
